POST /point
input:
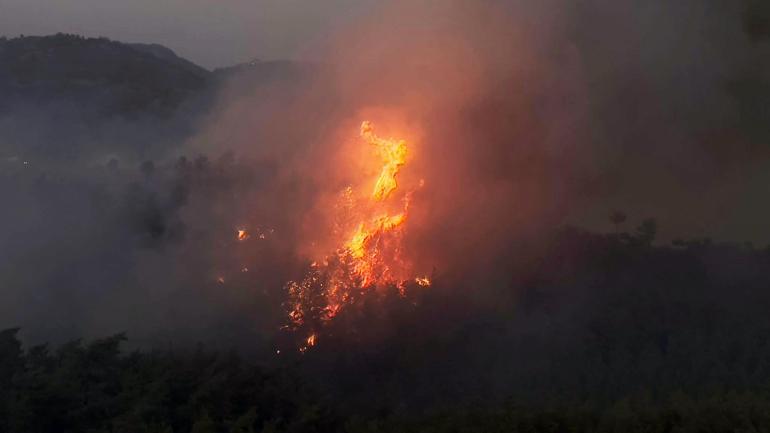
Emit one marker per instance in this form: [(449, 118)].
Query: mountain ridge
[(94, 95)]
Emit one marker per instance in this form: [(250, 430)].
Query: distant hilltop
[(109, 76), (96, 73), (92, 91)]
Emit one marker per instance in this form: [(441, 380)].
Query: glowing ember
[(309, 342), (369, 256), (422, 281)]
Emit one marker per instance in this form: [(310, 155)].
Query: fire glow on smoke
[(370, 253)]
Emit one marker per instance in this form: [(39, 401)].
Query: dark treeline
[(607, 333), (93, 388)]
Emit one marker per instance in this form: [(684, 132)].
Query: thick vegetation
[(611, 333)]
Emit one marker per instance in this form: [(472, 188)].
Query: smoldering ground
[(521, 118)]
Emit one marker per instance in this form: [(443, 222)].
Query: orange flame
[(242, 235), (423, 281), (370, 256), (393, 152)]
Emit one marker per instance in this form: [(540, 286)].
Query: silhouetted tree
[(647, 231), (617, 218)]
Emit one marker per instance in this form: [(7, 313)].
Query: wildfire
[(423, 281), (242, 235), (369, 254), (393, 153)]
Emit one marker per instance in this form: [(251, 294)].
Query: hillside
[(96, 74), (608, 333), (99, 98)]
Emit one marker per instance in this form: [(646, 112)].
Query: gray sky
[(211, 33)]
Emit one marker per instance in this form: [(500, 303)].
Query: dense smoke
[(521, 118)]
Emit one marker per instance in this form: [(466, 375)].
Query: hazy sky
[(212, 33)]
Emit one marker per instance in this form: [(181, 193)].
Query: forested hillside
[(610, 333)]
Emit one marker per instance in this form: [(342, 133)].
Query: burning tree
[(370, 252)]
